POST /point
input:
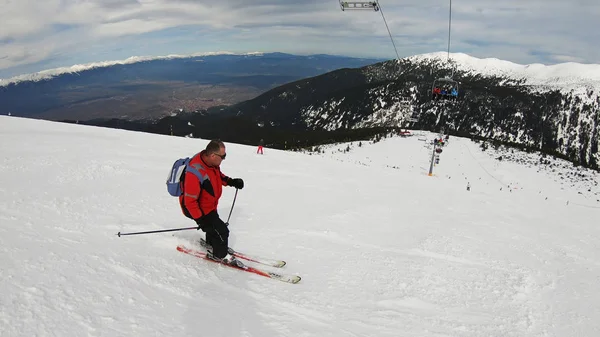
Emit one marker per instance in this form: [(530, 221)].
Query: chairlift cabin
[(445, 88), (371, 5)]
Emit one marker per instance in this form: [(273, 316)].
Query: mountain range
[(152, 87), (544, 107), (553, 109)]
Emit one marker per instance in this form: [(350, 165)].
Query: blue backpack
[(180, 166)]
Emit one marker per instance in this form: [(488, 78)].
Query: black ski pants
[(217, 233)]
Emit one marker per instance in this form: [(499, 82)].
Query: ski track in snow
[(383, 249)]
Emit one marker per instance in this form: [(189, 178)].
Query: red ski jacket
[(201, 196)]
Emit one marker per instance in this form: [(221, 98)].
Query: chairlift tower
[(432, 161), (435, 157)]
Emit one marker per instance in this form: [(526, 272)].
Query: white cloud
[(129, 27), (521, 31), (22, 54), (566, 58)]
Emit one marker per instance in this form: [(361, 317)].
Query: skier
[(260, 147), (454, 93), (201, 196)]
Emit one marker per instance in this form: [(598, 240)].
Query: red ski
[(247, 257), (276, 276)]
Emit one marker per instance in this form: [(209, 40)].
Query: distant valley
[(151, 89)]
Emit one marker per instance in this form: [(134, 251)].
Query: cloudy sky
[(42, 34)]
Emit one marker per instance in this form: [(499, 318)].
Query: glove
[(200, 223), (237, 183)]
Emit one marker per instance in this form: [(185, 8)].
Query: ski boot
[(208, 246), (228, 260)]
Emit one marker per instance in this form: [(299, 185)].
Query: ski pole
[(158, 231), (119, 234), (229, 217)]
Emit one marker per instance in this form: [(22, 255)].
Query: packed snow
[(383, 248)]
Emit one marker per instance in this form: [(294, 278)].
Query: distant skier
[(468, 186), (260, 146), (200, 198)]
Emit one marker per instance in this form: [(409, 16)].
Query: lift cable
[(389, 32)]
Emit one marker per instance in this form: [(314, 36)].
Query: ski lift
[(359, 5), (445, 88)]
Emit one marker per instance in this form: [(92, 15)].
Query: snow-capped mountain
[(551, 108), (153, 87), (563, 76), (77, 68)]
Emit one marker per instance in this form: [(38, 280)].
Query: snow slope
[(383, 249)]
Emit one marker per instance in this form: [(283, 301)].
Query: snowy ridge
[(47, 74), (567, 75)]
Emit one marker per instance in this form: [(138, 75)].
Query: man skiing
[(200, 197)]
